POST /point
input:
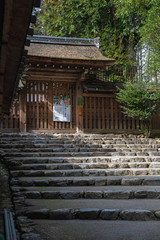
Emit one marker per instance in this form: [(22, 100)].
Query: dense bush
[(138, 100)]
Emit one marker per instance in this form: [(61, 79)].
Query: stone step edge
[(79, 154), (134, 181), (94, 214), (88, 150), (83, 166), (79, 144), (91, 194), (64, 158), (87, 137), (86, 172)]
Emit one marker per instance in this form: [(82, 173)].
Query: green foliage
[(121, 26), (150, 36), (115, 78), (117, 24), (139, 101)]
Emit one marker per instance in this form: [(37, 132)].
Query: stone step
[(79, 144), (69, 176), (104, 230), (86, 172), (54, 154), (64, 149), (12, 161), (134, 209), (134, 188), (86, 181), (125, 151), (117, 137), (80, 139), (92, 194), (78, 154), (75, 135), (68, 166)]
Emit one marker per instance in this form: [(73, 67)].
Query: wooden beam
[(73, 62), (23, 110), (51, 70), (79, 104), (4, 44), (50, 105), (53, 80), (51, 73), (98, 95), (18, 19)]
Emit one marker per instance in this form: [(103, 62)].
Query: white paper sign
[(61, 109)]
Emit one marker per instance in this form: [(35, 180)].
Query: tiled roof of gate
[(66, 48)]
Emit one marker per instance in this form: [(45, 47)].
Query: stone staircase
[(89, 177)]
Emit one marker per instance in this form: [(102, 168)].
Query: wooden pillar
[(23, 110), (79, 104), (50, 105)]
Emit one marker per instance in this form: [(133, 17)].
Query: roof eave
[(80, 62)]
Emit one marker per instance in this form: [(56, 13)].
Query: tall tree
[(116, 22), (150, 33)]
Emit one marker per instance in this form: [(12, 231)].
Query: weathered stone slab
[(50, 173), (33, 194), (65, 166), (153, 181), (157, 214), (138, 165), (109, 214), (98, 165), (100, 182), (154, 153), (114, 181), (70, 194), (50, 195), (59, 182), (38, 214), (94, 172), (88, 213), (30, 236), (34, 173), (83, 182), (41, 182), (139, 215), (142, 172), (62, 214), (131, 181), (93, 194), (118, 172), (76, 173), (146, 194), (142, 154), (26, 183), (155, 165), (118, 194), (131, 154), (155, 171)]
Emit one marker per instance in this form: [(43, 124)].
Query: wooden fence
[(100, 112), (10, 121), (103, 112)]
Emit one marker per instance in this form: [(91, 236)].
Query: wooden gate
[(40, 104), (102, 112)]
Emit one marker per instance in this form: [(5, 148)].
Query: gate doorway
[(40, 112)]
